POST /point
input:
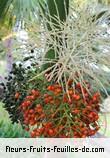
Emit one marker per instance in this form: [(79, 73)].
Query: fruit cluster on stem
[(53, 113)]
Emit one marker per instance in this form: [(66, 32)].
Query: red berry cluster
[(53, 113)]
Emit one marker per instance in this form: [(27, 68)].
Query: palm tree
[(12, 11)]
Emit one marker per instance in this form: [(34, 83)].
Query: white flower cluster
[(79, 47)]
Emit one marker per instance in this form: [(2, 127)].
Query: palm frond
[(14, 11)]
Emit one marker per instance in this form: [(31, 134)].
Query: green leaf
[(59, 9), (50, 55), (8, 130)]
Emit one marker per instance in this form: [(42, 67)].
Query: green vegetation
[(9, 130)]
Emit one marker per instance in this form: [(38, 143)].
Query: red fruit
[(90, 115), (78, 85), (75, 111), (58, 90), (57, 86), (32, 122), (96, 117), (75, 136), (89, 108), (17, 95), (91, 132), (93, 116), (83, 136), (70, 92), (31, 97), (97, 94), (37, 134), (65, 99), (33, 116), (26, 112), (70, 82), (28, 97), (50, 98), (33, 134), (97, 128), (94, 113), (42, 116), (50, 88), (94, 98), (46, 95), (53, 102), (69, 101), (25, 115), (39, 106), (76, 97), (39, 110), (48, 125), (85, 132), (41, 130), (23, 104), (28, 103), (27, 129), (51, 132), (26, 121), (81, 124), (35, 93), (46, 100), (86, 95)]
